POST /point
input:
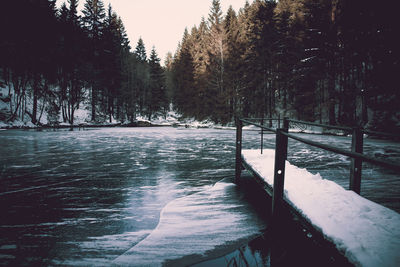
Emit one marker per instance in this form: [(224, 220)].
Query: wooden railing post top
[(239, 122), (286, 123), (284, 129)]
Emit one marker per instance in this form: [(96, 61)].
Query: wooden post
[(286, 124), (238, 169), (262, 136), (279, 174), (356, 164)]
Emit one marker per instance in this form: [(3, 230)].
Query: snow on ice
[(196, 224), (367, 233)]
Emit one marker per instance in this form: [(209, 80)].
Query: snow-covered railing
[(281, 147)]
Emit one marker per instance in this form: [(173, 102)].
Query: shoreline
[(130, 125)]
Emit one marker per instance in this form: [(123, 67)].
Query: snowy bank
[(368, 234), (82, 119)]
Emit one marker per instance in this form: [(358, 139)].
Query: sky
[(161, 23)]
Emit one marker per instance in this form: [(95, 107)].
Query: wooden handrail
[(343, 128), (281, 148), (387, 164)]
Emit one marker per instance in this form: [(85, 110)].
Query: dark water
[(87, 197)]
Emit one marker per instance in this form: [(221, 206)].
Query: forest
[(60, 60), (329, 61), (317, 60)]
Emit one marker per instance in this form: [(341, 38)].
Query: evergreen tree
[(168, 70), (140, 50), (72, 63), (332, 61), (319, 66), (116, 46), (73, 12), (42, 40), (142, 75), (183, 73), (199, 42), (216, 68), (288, 57), (93, 21), (128, 101), (157, 97), (234, 62)]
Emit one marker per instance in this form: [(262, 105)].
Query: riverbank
[(172, 120)]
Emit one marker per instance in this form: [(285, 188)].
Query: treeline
[(332, 61), (56, 60)]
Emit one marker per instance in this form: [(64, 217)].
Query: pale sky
[(161, 23)]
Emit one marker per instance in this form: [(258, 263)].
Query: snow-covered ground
[(82, 116), (175, 119), (367, 233)]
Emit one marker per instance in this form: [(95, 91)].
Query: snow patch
[(195, 224)]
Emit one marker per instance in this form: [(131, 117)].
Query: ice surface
[(196, 224), (367, 233), (129, 175)]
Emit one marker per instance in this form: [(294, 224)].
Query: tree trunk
[(41, 110), (93, 104), (110, 107), (35, 98), (72, 116)]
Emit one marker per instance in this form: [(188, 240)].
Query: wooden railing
[(281, 148)]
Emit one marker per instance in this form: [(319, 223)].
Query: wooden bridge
[(387, 230)]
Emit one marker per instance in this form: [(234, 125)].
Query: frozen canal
[(96, 196)]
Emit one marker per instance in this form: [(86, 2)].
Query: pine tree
[(42, 51), (200, 39), (183, 73), (216, 46), (289, 17), (93, 17), (234, 61), (168, 70), (157, 97), (216, 68), (93, 21), (140, 50), (73, 12), (129, 98), (142, 74), (111, 62), (72, 63), (319, 64), (14, 52)]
